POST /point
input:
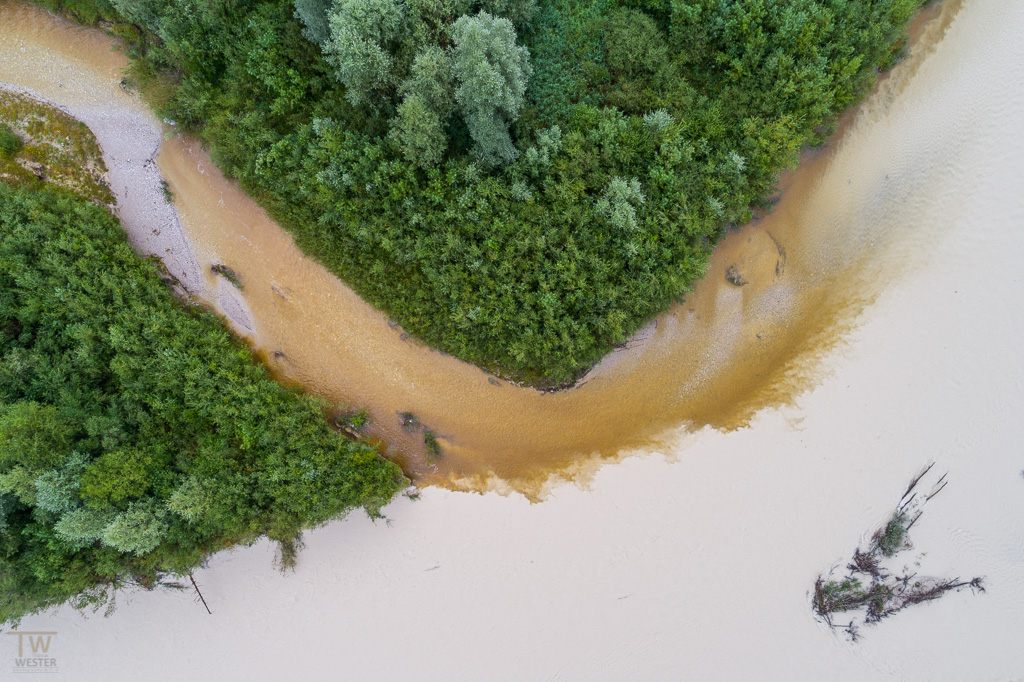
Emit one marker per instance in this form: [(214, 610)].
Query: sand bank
[(128, 134)]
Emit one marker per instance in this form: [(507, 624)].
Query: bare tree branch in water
[(880, 594), (200, 594)]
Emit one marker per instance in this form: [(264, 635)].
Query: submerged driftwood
[(869, 592)]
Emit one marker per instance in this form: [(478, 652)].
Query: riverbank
[(716, 360), (129, 138), (695, 558), (143, 461)]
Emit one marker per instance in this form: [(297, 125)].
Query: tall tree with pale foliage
[(492, 72), (360, 32)]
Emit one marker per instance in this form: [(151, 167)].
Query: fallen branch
[(937, 491), (913, 484), (201, 598), (916, 517), (906, 504)]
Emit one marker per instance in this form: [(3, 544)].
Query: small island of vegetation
[(874, 587)]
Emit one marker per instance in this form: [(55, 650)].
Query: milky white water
[(695, 561)]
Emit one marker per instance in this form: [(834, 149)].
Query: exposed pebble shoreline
[(130, 143)]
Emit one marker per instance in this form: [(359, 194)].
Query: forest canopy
[(521, 183), (137, 436)]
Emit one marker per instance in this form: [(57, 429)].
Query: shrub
[(10, 143)]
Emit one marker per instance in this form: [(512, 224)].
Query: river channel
[(813, 263)]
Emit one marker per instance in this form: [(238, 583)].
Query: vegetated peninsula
[(137, 436), (519, 183)]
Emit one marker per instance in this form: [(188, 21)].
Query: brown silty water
[(811, 265)]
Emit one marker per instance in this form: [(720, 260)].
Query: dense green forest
[(136, 435), (519, 183)]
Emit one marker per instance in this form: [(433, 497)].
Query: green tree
[(633, 44), (419, 128), (21, 483), (83, 527), (7, 505), (34, 435), (193, 499), (619, 201), (145, 13), (519, 12), (360, 34), (658, 121), (510, 268), (117, 476), (492, 73), (432, 78), (313, 14), (538, 157), (57, 489), (10, 143), (419, 132), (139, 529)]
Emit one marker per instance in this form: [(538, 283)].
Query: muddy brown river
[(813, 264)]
